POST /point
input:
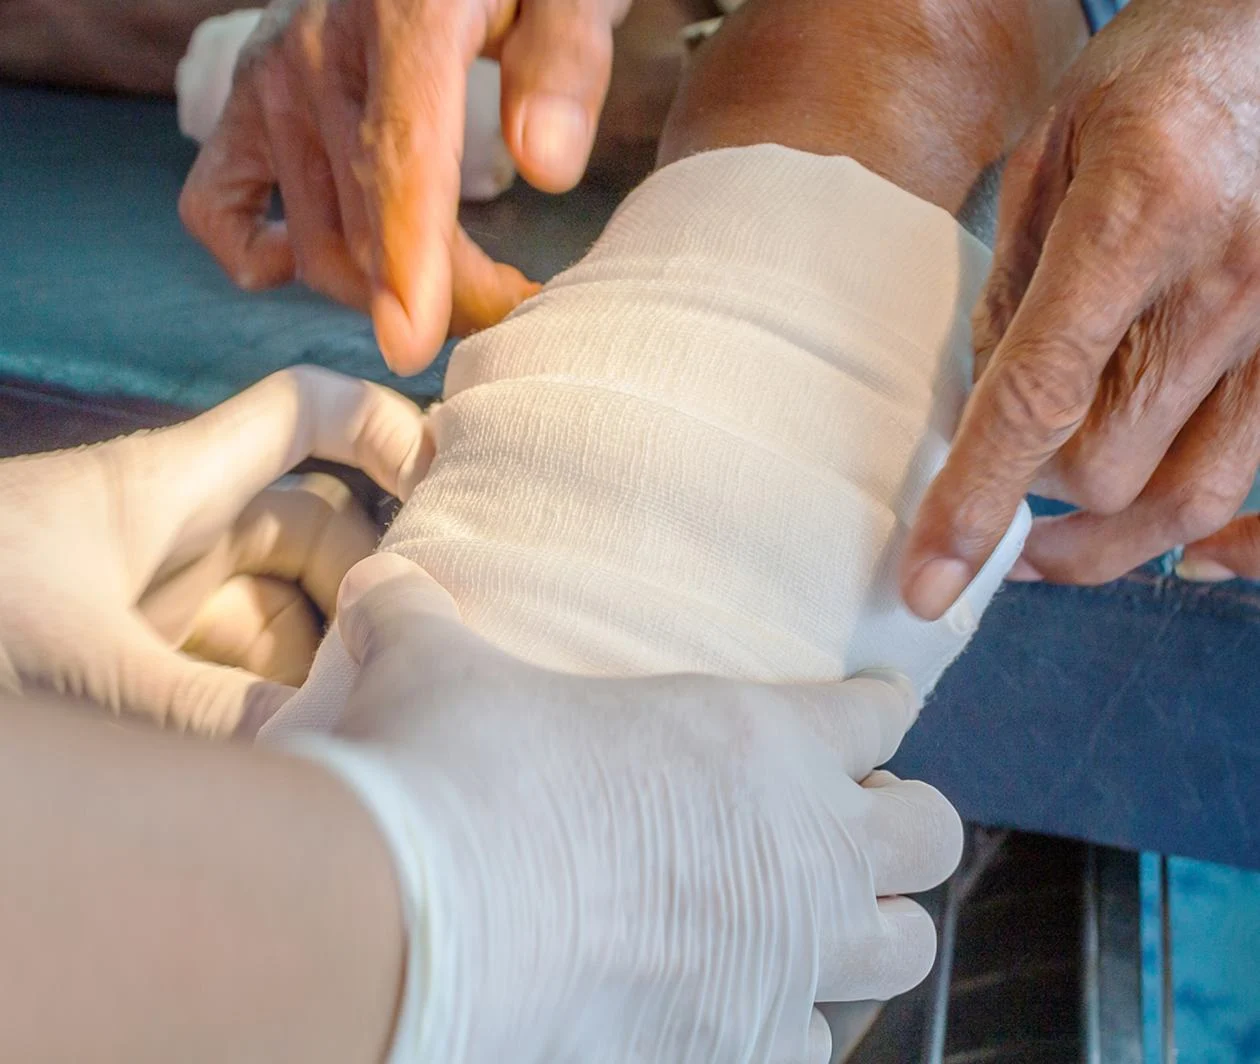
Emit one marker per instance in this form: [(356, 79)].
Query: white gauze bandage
[(699, 449)]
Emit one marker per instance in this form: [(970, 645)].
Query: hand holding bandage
[(663, 869)]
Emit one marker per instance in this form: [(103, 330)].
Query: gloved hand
[(114, 556), (664, 869), (356, 111)]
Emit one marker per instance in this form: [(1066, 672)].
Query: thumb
[(387, 602), (183, 694), (555, 66), (1231, 553)]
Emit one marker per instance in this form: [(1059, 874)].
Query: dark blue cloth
[(1127, 715)]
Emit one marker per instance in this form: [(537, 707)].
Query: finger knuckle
[(1101, 490), (1098, 474), (1204, 507), (194, 210), (1043, 393)]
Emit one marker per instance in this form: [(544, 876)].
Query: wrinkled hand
[(114, 556), (1118, 334), (355, 110), (671, 868)]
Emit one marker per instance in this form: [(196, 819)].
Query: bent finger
[(1232, 553), (1165, 368), (260, 624), (895, 958), (309, 533), (386, 602), (1195, 492), (861, 721), (227, 195), (485, 292), (180, 693), (811, 1047), (914, 836), (311, 209)]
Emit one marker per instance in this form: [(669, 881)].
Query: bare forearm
[(165, 899), (926, 93), (127, 45)]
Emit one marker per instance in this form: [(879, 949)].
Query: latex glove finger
[(386, 599), (265, 626), (311, 532), (308, 531), (914, 836), (817, 1048), (861, 721), (898, 958), (183, 487), (178, 692)]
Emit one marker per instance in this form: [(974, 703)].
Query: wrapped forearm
[(699, 449)]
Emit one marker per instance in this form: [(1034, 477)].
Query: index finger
[(861, 720), (1097, 271), (413, 135)]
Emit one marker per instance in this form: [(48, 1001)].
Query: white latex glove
[(654, 870), (114, 556), (203, 79)]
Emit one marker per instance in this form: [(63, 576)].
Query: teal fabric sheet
[(102, 293)]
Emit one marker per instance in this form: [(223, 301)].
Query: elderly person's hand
[(355, 110), (1119, 330), (114, 556)]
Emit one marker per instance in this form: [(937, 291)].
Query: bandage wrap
[(700, 448)]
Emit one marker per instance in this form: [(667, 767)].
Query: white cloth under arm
[(700, 448)]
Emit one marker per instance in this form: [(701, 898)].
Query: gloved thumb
[(555, 64), (184, 694), (1231, 553), (386, 602)]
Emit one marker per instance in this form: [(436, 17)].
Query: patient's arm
[(926, 93), (698, 449)]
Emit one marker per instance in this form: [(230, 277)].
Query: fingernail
[(397, 336), (1203, 571), (937, 586), (1023, 572), (555, 136)]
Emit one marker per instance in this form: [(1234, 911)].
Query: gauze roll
[(203, 80), (700, 449)]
